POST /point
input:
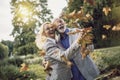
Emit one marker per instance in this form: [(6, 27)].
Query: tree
[(9, 44), (3, 51), (27, 18), (99, 14)]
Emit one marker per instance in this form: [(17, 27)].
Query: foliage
[(36, 60), (28, 15), (16, 61), (12, 73), (94, 13), (39, 71), (3, 51), (9, 44), (107, 58)]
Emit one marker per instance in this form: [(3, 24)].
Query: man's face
[(60, 26)]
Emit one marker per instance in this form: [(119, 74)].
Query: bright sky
[(5, 20), (5, 16)]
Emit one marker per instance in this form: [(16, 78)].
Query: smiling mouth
[(61, 27), (51, 32)]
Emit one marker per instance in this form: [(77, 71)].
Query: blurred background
[(20, 21)]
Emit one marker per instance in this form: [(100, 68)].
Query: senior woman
[(60, 71)]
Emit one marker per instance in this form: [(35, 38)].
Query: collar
[(65, 34), (66, 31)]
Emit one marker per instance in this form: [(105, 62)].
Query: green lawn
[(108, 61)]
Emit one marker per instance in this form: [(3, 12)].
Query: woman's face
[(49, 30)]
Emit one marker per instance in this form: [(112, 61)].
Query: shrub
[(39, 71), (36, 60), (9, 72), (27, 75), (16, 61), (3, 51), (12, 73)]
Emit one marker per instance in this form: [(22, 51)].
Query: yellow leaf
[(107, 26), (71, 15), (116, 27), (104, 36), (89, 16), (24, 67), (106, 10)]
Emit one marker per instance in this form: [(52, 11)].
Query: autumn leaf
[(72, 14), (116, 27), (89, 17), (24, 67), (104, 36), (42, 53), (106, 10), (107, 26), (80, 14)]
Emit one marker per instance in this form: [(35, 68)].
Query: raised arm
[(53, 51)]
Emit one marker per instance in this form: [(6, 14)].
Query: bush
[(9, 72), (12, 73), (36, 60), (16, 61), (3, 51), (27, 75), (39, 71)]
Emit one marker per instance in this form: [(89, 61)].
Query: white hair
[(56, 19)]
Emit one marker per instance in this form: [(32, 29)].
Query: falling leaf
[(106, 10), (24, 67), (116, 28), (42, 53), (71, 15), (107, 26), (89, 16), (75, 24), (104, 36), (80, 14)]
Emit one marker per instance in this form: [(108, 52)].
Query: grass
[(107, 60)]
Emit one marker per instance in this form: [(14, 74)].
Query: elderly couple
[(65, 45)]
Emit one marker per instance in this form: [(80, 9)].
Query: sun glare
[(24, 13)]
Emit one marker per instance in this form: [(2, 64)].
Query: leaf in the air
[(106, 10), (104, 36), (107, 26)]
